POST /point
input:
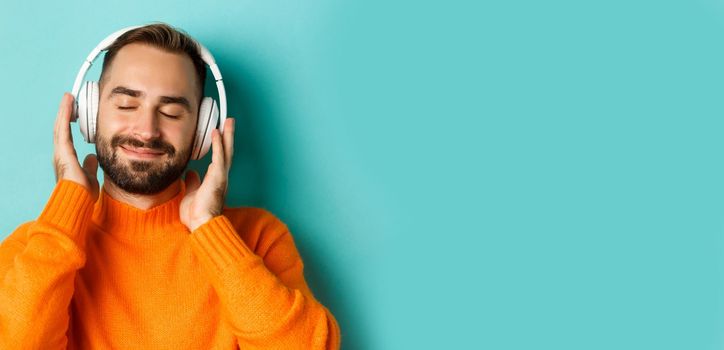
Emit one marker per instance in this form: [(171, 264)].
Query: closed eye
[(167, 115), (171, 116)]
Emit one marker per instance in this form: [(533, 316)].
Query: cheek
[(107, 121), (106, 124), (179, 134)]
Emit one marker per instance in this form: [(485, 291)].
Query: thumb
[(90, 166), (192, 181)]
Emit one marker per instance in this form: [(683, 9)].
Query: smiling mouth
[(137, 152)]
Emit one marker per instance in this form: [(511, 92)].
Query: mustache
[(155, 144)]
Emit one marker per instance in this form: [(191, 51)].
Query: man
[(151, 260)]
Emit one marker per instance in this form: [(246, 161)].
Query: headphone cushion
[(88, 99), (207, 120)]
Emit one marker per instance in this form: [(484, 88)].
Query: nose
[(146, 127)]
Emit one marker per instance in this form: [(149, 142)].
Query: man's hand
[(65, 159), (204, 201)]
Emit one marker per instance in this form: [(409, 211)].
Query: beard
[(141, 176)]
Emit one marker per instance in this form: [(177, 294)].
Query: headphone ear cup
[(88, 110), (207, 120)]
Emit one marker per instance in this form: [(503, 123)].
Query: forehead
[(153, 71)]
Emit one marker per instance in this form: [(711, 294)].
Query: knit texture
[(101, 274)]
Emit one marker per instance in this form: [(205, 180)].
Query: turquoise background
[(457, 175)]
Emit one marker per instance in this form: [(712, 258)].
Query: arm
[(38, 264), (266, 300), (39, 261), (267, 306)]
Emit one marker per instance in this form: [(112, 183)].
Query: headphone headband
[(105, 43)]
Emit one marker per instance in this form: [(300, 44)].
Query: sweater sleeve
[(38, 264), (266, 300)]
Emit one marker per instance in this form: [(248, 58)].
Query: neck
[(140, 201)]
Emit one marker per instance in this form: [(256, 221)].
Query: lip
[(144, 153)]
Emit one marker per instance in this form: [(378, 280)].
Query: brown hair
[(162, 36)]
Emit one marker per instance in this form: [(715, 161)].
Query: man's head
[(151, 87)]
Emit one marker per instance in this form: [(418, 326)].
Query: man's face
[(147, 118)]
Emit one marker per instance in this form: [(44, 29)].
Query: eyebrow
[(122, 90)]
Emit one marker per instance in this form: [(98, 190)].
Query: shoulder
[(18, 238), (20, 232), (254, 217), (258, 227)]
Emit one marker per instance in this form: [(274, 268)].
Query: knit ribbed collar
[(128, 222)]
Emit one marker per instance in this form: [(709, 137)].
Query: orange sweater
[(105, 275)]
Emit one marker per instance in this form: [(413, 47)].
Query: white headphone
[(85, 110)]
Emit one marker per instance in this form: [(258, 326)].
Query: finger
[(217, 156), (63, 115), (192, 181), (65, 139), (58, 118), (228, 138)]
